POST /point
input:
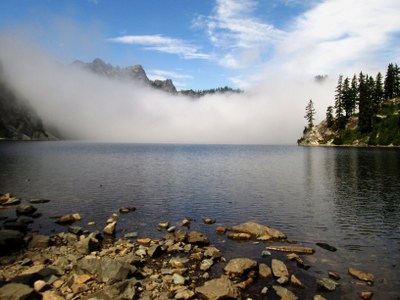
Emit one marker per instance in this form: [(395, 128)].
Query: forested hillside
[(365, 112)]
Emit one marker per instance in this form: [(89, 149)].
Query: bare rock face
[(219, 288), (259, 231), (238, 266)]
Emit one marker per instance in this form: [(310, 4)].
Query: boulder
[(238, 266), (75, 230), (195, 237), (259, 231), (279, 268), (87, 245), (18, 291), (123, 290), (219, 288), (25, 209)]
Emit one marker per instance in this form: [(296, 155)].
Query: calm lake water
[(347, 197)]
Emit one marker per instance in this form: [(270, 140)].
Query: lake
[(346, 197)]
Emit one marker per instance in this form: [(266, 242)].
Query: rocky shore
[(184, 264)]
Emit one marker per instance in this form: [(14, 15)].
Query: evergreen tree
[(330, 120), (366, 88), (347, 98), (378, 94), (310, 114), (338, 98), (390, 81), (354, 93)]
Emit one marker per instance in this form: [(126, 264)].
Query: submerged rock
[(25, 209), (326, 247), (279, 269), (327, 284), (361, 275), (284, 293), (208, 221), (259, 231), (294, 249)]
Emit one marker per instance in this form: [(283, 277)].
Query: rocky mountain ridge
[(132, 73)]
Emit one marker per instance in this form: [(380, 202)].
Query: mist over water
[(90, 107)]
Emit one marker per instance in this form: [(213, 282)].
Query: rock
[(264, 271), (12, 201), (131, 235), (123, 290), (327, 284), (75, 230), (18, 291), (326, 247), (184, 294), (185, 222), (88, 245), (206, 264), (110, 228), (163, 224), (220, 229), (51, 295), (125, 210), (77, 216), (295, 281), (212, 252), (66, 219), (284, 293), (5, 197), (334, 275), (300, 263), (208, 221), (40, 285), (39, 241), (265, 253), (154, 251), (25, 209), (219, 288), (38, 201), (195, 237), (171, 229), (282, 280), (83, 278), (365, 295), (144, 241), (178, 262), (240, 236), (318, 297), (259, 231), (106, 269), (91, 223), (237, 266), (361, 275), (178, 279), (10, 240), (19, 226), (279, 268), (294, 249)]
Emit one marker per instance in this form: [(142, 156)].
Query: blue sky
[(202, 44)]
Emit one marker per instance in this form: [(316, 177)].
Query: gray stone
[(113, 270), (154, 251), (18, 291), (237, 266), (206, 264), (123, 290), (75, 230), (110, 228), (219, 288), (131, 235)]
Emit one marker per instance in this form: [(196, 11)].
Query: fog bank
[(90, 107)]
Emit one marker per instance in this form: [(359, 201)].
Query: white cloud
[(168, 74), (340, 35), (234, 30), (163, 44)]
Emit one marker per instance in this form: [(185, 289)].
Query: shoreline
[(184, 264)]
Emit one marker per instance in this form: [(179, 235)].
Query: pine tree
[(378, 94), (310, 114), (330, 120), (390, 81), (366, 89), (354, 93), (347, 98)]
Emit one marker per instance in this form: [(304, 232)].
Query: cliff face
[(18, 120), (385, 130), (134, 73)]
